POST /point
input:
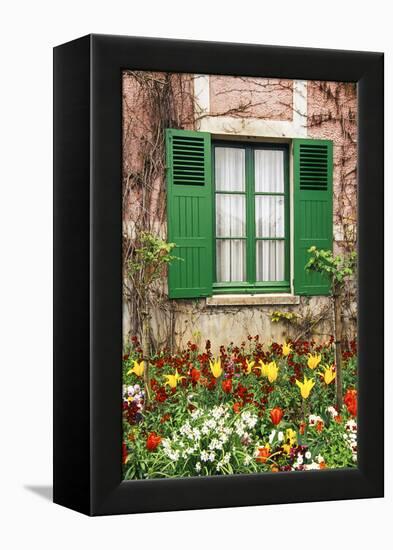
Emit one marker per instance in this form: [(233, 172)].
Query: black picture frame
[(87, 274)]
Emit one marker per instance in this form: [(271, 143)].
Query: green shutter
[(313, 210), (189, 211)]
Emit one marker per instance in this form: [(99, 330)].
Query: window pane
[(231, 260), (269, 216), (270, 260), (269, 171), (230, 169), (230, 215)]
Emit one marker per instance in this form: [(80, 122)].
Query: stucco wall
[(278, 110)]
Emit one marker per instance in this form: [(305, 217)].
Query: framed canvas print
[(218, 302)]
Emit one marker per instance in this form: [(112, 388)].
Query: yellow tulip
[(215, 367), (313, 360), (172, 379), (137, 369), (263, 367), (329, 375), (250, 364), (272, 372), (305, 387), (286, 349)]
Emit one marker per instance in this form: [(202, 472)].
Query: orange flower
[(319, 426), (338, 418), (322, 465), (263, 454), (274, 469), (276, 415), (236, 407), (152, 441), (302, 427)]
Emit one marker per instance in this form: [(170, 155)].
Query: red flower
[(276, 415), (152, 441), (236, 407), (302, 427), (227, 385), (124, 453), (350, 400), (195, 374)]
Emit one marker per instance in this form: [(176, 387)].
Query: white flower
[(319, 459), (312, 466), (247, 460), (332, 411), (211, 423), (313, 419), (308, 455), (212, 456), (196, 433), (271, 436), (196, 413), (280, 436), (215, 444), (204, 456), (240, 429), (198, 467), (219, 466), (227, 458)]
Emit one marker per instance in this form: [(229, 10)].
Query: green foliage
[(150, 257), (278, 316), (338, 267)]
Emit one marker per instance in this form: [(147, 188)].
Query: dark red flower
[(227, 385), (152, 441), (195, 374), (276, 415)]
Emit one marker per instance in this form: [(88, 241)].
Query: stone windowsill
[(252, 300)]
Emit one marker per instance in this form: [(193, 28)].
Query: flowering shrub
[(253, 408)]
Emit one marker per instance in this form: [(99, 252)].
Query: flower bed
[(254, 408)]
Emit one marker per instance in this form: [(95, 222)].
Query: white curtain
[(229, 169), (269, 171), (269, 216), (230, 214), (231, 260), (270, 260)]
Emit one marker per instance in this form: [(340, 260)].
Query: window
[(251, 209), (228, 214)]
